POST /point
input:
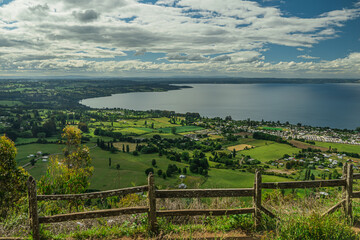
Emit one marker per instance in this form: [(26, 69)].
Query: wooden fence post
[(349, 189), (344, 176), (257, 198), (34, 219), (152, 204)]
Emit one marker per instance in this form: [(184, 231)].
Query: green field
[(271, 151), (26, 150), (138, 123), (132, 170), (181, 129), (163, 135), (10, 103), (33, 140), (226, 178), (340, 147), (249, 141), (270, 128), (132, 131)]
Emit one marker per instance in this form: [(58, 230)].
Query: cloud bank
[(196, 37)]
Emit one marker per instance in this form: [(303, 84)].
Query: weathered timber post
[(344, 176), (33, 214), (349, 189), (257, 198), (152, 204)]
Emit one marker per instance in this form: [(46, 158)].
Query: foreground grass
[(300, 218)]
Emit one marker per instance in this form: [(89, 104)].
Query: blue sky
[(130, 38)]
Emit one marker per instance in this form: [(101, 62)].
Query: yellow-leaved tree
[(72, 173), (12, 178)]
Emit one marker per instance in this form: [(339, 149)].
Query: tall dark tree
[(49, 127), (153, 162), (83, 127)]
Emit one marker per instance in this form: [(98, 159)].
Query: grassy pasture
[(32, 140), (132, 131), (340, 147), (181, 129), (38, 170), (26, 150), (132, 173), (163, 135), (10, 103), (125, 123), (271, 151), (132, 170), (270, 128), (164, 122), (225, 178)]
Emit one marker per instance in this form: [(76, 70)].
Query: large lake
[(332, 105)]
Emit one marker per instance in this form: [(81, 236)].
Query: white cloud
[(307, 57), (348, 66), (183, 58), (240, 57), (44, 35)]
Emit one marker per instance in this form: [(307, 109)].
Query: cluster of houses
[(314, 135), (196, 135), (38, 156), (296, 132), (322, 161)]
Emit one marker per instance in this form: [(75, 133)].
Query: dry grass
[(132, 146), (239, 147), (302, 145)]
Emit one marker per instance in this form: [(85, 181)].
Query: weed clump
[(313, 227)]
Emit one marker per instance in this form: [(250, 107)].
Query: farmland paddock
[(255, 192)]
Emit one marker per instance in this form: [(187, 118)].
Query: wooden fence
[(346, 183)]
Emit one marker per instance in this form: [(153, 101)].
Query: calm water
[(333, 105)]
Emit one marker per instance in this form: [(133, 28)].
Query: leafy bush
[(12, 178)]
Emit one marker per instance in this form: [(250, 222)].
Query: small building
[(182, 176), (182, 186)]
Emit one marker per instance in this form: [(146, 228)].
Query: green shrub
[(314, 227)]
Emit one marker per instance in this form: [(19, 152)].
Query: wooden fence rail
[(202, 193), (305, 184), (85, 196), (346, 182)]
